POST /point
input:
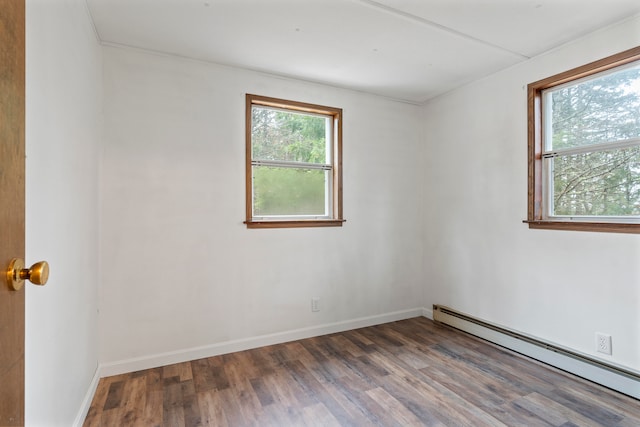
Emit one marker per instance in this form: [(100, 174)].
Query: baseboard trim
[(428, 313), (168, 358), (88, 398)]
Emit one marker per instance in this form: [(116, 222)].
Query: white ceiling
[(409, 50)]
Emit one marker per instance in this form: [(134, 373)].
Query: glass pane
[(288, 191), (288, 136), (600, 183), (604, 109)]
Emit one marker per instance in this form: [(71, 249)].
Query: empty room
[(320, 212)]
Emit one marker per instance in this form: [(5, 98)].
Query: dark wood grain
[(12, 204), (406, 373)]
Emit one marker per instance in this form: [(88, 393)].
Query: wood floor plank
[(276, 416), (429, 401), (173, 404), (261, 360), (486, 387), (600, 397), (482, 395), (400, 413), (181, 370), (318, 416), (359, 415), (306, 384), (211, 410), (515, 416), (134, 400), (553, 412), (114, 396), (247, 400), (412, 372), (262, 392), (93, 418), (342, 342), (325, 368), (203, 376), (231, 407), (154, 379), (111, 417), (359, 340), (355, 391), (153, 412), (587, 408), (190, 407), (282, 387), (509, 369)]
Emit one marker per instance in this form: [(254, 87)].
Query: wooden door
[(12, 196)]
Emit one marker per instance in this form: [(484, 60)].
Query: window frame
[(336, 215), (535, 140)]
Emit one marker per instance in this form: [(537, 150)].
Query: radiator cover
[(609, 375)]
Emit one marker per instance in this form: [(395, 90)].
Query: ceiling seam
[(93, 22), (161, 53), (432, 24)]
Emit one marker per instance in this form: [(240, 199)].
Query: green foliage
[(606, 109), (287, 191), (281, 135), (291, 137)]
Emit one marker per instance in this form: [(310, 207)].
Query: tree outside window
[(584, 147), (293, 164)]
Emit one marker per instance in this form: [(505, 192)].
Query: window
[(584, 147), (294, 161)]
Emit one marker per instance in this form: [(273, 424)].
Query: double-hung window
[(293, 163), (584, 147)]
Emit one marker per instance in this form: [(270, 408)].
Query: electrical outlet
[(315, 304), (603, 343)]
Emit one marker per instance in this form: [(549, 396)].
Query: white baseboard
[(428, 313), (88, 398), (168, 358)]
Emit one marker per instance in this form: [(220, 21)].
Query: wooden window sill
[(604, 227), (296, 223)]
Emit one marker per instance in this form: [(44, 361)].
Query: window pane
[(599, 183), (604, 109), (289, 191), (288, 136)]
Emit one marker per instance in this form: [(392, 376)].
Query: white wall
[(63, 114), (481, 259), (180, 269)]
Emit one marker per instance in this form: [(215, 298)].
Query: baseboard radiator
[(609, 375)]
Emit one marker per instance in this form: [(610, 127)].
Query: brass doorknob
[(38, 273)]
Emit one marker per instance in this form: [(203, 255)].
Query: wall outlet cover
[(603, 343)]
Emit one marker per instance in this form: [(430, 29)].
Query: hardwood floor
[(405, 373)]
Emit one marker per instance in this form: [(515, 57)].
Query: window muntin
[(584, 147), (293, 164)]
